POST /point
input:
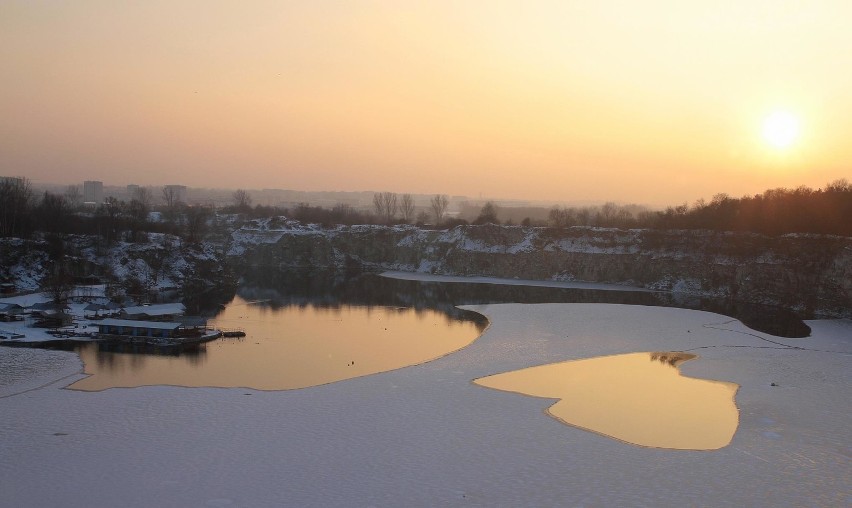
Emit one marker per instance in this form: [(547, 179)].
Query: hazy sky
[(655, 102)]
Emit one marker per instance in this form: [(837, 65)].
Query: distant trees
[(59, 283), (52, 213), (144, 197), (607, 215), (488, 214), (439, 205), (406, 208), (774, 212), (171, 196), (339, 214), (73, 196), (242, 200), (196, 221), (108, 213), (385, 205), (16, 200), (560, 217)]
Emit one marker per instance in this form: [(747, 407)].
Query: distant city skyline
[(655, 103)]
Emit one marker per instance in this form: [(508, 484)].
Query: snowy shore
[(427, 436), (427, 277)]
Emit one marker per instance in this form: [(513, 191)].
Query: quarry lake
[(312, 328)]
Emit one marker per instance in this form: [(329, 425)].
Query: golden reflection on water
[(640, 398), (288, 348)]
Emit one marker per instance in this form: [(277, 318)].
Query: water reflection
[(639, 398), (286, 347)]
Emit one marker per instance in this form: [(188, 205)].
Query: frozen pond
[(427, 436), (288, 347)]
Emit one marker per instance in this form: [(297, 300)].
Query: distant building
[(93, 192), (132, 191), (132, 330), (159, 312), (123, 327)]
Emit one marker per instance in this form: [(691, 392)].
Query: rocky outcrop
[(811, 274), (143, 270)]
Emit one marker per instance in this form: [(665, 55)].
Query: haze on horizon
[(655, 102)]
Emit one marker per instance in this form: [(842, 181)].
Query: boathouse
[(141, 329), (158, 312)]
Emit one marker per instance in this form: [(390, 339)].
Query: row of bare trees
[(388, 204)]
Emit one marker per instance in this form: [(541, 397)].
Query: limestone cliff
[(811, 274)]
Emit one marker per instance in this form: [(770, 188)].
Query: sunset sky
[(653, 102)]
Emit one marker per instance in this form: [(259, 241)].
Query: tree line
[(776, 211), (773, 212), (388, 208), (23, 213)]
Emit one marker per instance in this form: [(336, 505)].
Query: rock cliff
[(811, 274)]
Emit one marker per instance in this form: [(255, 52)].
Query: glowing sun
[(781, 129)]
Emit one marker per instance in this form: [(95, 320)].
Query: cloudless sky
[(656, 102)]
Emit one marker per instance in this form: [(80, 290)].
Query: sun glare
[(781, 129)]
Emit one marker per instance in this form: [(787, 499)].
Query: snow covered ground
[(427, 436), (81, 326)]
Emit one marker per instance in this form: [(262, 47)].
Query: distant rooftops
[(159, 310)]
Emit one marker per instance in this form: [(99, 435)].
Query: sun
[(781, 129)]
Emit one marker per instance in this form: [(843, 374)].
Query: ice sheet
[(427, 436)]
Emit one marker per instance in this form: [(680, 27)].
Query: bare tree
[(406, 207), (439, 207), (73, 196), (242, 199), (562, 217), (108, 214), (488, 214), (141, 200), (196, 222), (16, 200), (838, 186), (51, 214), (171, 195), (144, 196), (607, 213), (385, 204), (58, 284)]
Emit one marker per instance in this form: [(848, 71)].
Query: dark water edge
[(334, 289), (177, 350)]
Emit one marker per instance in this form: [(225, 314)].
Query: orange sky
[(655, 102)]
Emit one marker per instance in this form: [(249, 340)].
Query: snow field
[(426, 436)]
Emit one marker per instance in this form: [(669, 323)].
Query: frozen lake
[(306, 329), (426, 435)]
